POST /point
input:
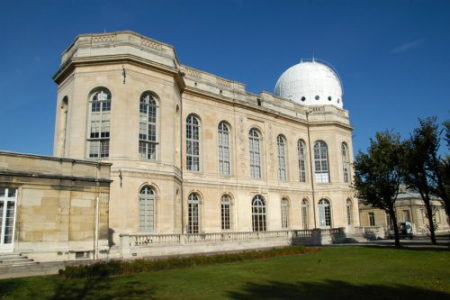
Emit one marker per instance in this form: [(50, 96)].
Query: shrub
[(119, 267)]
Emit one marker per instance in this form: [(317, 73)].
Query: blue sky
[(393, 56)]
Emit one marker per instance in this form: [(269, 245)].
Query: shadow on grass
[(8, 285), (413, 247), (100, 288), (332, 289)]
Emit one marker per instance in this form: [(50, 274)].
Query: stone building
[(192, 153), (53, 208), (409, 207)]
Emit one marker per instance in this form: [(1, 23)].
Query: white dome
[(310, 83)]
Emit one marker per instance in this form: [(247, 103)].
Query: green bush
[(119, 267)]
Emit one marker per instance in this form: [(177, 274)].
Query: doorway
[(8, 197)]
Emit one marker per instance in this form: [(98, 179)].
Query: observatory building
[(153, 156)]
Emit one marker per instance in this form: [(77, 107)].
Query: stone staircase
[(12, 260)]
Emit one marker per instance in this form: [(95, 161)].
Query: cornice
[(68, 68)]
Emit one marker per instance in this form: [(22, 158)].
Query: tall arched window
[(301, 147), (324, 213), (192, 143), (225, 207), (284, 213), (255, 153), (281, 144), (147, 209), (321, 162), (100, 107), (193, 212), (258, 214), (349, 212), (224, 149), (147, 126), (305, 209), (345, 162)]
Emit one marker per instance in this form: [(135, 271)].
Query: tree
[(438, 167), (377, 175), (416, 164)]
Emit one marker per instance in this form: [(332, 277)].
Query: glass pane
[(11, 193), (9, 222)]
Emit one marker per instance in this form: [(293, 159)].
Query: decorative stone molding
[(107, 38)]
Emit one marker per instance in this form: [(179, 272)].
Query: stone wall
[(56, 205)]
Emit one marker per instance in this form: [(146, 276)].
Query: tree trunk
[(393, 217), (429, 209)]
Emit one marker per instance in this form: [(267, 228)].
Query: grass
[(332, 273)]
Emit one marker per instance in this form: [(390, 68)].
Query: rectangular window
[(226, 216), (7, 217), (255, 159), (372, 219), (284, 216), (305, 217)]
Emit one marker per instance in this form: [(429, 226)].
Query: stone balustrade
[(140, 240)]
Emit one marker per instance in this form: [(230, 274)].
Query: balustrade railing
[(137, 240)]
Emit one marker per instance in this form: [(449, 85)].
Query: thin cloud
[(407, 46)]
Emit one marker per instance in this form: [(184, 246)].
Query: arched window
[(193, 212), (321, 162), (301, 147), (349, 212), (100, 107), (345, 163), (284, 213), (281, 144), (147, 209), (147, 126), (226, 212), (305, 209), (192, 143), (255, 153), (224, 149), (324, 213), (258, 214)]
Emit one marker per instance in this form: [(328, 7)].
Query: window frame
[(224, 148), (259, 214), (282, 158), (345, 163), (321, 162), (284, 213), (302, 162), (100, 114), (305, 213), (193, 226), (225, 212), (193, 143), (325, 219), (349, 209), (144, 226), (148, 141), (255, 153), (372, 221)]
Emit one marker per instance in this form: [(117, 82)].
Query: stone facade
[(409, 207), (126, 65), (55, 206)]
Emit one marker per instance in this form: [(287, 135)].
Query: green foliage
[(119, 267), (377, 173), (418, 164)]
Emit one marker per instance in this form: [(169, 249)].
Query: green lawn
[(333, 273)]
